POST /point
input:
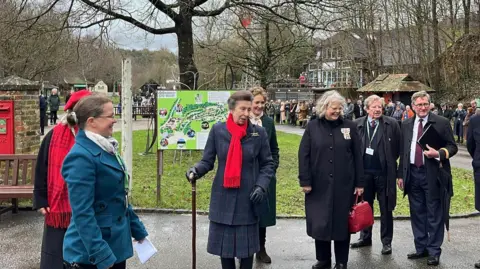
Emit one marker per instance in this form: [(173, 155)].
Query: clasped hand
[(257, 195)]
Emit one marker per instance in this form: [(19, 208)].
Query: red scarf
[(61, 143), (233, 168)]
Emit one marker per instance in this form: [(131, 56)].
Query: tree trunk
[(188, 70), (436, 48), (466, 10)]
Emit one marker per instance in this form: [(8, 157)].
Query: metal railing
[(144, 111)]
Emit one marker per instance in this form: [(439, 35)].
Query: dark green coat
[(270, 218)]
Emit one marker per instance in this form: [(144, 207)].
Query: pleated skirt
[(52, 248), (233, 241)]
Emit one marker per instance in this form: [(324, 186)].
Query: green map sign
[(186, 117)]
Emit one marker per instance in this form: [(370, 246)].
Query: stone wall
[(26, 115)]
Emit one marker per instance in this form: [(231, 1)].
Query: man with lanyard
[(381, 142)]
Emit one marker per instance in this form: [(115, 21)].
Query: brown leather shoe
[(262, 256)]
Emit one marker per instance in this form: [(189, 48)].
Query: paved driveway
[(287, 243)]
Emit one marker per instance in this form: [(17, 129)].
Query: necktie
[(374, 124), (418, 150)]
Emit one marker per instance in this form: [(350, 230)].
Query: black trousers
[(323, 250), (229, 263), (376, 185), (43, 114), (53, 117), (122, 265), (426, 214)]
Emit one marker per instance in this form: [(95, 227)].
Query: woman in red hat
[(50, 189)]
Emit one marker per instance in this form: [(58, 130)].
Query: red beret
[(74, 98)]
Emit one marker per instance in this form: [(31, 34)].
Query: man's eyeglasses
[(423, 105)]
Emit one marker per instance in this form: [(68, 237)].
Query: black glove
[(257, 195), (193, 171)]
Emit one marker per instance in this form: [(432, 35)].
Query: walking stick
[(194, 221)]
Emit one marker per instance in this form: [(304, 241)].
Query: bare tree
[(181, 13)]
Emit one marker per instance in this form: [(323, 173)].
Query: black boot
[(322, 265), (340, 266), (263, 256), (246, 263)]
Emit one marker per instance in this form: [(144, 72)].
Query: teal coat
[(271, 218), (102, 224)]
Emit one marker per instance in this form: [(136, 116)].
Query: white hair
[(327, 99), (373, 98)]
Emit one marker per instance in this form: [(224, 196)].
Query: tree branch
[(212, 13), (155, 31), (166, 10), (199, 2)]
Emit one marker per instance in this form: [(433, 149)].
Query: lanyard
[(373, 135)]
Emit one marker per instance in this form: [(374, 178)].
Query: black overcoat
[(330, 161), (233, 206), (432, 166), (389, 145), (473, 146)]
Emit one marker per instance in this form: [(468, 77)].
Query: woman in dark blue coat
[(103, 222), (238, 197), (258, 117)]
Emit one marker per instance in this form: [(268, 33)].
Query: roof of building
[(77, 80), (14, 82), (395, 83)]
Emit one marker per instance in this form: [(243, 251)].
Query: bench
[(17, 173)]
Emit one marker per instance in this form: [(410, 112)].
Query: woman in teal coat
[(103, 223), (258, 117)]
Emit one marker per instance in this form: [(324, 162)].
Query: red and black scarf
[(61, 143), (233, 168)]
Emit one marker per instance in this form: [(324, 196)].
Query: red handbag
[(361, 216)]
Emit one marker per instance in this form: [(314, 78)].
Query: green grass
[(176, 191)]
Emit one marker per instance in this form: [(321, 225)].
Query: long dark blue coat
[(233, 206), (330, 161)]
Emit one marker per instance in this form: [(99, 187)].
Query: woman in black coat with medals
[(258, 118), (330, 172), (245, 168)]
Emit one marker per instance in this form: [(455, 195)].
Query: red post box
[(7, 145)]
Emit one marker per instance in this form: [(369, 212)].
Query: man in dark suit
[(381, 147), (418, 175), (358, 110), (445, 112), (473, 137)]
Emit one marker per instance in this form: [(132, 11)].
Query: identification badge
[(346, 133), (369, 151), (255, 134)]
